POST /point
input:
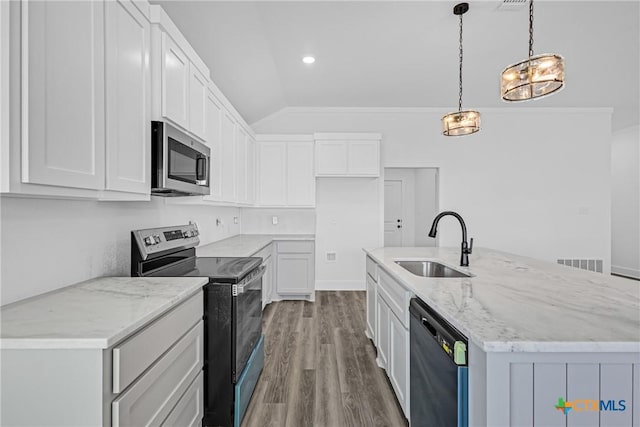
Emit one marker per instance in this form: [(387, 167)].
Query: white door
[(392, 213), (272, 177), (241, 165), (63, 128), (197, 102), (128, 97), (382, 330)]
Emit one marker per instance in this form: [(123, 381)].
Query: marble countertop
[(519, 304), (93, 314), (244, 245)]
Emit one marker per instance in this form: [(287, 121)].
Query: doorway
[(410, 204)]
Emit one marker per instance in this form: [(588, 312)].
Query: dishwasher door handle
[(429, 326)]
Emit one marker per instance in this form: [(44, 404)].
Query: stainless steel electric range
[(234, 345)]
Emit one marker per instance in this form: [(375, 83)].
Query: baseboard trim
[(340, 285), (624, 271)]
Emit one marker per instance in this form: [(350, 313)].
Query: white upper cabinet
[(63, 126), (197, 101), (285, 171), (213, 125), (251, 170), (228, 158), (175, 82), (348, 154), (272, 173), (301, 183), (241, 166), (128, 98)]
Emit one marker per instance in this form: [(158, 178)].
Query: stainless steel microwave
[(180, 164)]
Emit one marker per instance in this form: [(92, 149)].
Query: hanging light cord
[(530, 29), (460, 70)]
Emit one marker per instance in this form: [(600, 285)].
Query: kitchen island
[(537, 331)]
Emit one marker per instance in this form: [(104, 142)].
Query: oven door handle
[(245, 285)]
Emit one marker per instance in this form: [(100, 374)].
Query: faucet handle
[(470, 245)]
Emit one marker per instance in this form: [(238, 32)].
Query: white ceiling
[(404, 54)]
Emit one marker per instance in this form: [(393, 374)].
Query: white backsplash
[(290, 221), (48, 244)]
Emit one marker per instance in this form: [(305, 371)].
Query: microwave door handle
[(201, 171)]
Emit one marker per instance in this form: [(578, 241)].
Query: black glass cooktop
[(224, 270)]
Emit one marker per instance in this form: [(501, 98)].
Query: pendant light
[(535, 77), (461, 122)]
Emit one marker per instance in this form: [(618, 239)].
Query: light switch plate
[(274, 220)]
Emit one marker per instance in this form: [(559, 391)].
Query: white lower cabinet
[(387, 323), (382, 327), (266, 254), (295, 268), (371, 309), (398, 369), (151, 377)]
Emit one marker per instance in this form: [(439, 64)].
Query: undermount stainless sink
[(430, 269)]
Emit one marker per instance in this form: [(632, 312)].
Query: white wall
[(290, 221), (533, 181), (48, 244), (625, 202), (426, 204), (348, 218)]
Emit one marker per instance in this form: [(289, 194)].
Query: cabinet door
[(301, 181), (251, 170), (189, 411), (197, 101), (241, 165), (398, 369), (331, 158), (228, 158), (295, 273), (382, 328), (371, 309), (213, 125), (364, 158), (267, 282), (175, 82), (272, 177), (128, 98), (63, 80)]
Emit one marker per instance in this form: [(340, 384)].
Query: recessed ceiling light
[(308, 59)]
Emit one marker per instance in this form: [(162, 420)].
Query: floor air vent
[(583, 264)]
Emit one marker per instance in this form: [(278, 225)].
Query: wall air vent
[(511, 5), (583, 264)]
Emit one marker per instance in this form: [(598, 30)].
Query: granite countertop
[(519, 304), (93, 314), (244, 245)]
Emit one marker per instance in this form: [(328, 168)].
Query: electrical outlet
[(331, 257), (218, 222), (274, 220), (235, 219)]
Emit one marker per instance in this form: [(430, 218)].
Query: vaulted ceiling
[(405, 54)]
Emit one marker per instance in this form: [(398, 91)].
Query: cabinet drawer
[(395, 295), (151, 398), (264, 253), (292, 247), (372, 269), (189, 410), (132, 357)]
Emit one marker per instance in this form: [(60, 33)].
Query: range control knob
[(148, 241), (156, 238)]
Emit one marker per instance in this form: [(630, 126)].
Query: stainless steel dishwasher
[(439, 377)]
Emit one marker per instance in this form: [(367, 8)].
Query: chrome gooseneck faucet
[(466, 249)]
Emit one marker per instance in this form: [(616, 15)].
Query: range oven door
[(247, 321)]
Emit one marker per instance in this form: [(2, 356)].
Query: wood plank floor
[(320, 368)]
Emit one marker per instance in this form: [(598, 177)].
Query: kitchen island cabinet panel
[(554, 378), (616, 384), (583, 382)]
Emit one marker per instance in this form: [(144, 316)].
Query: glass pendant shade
[(461, 123), (535, 77)]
